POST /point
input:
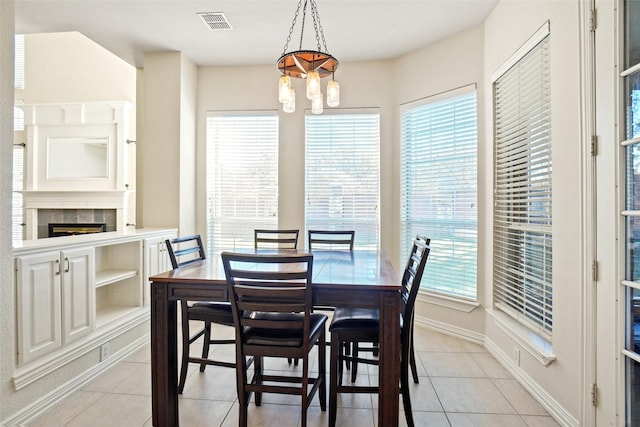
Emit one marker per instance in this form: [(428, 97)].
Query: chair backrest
[(185, 250), (269, 285), (275, 239), (330, 239), (413, 275)]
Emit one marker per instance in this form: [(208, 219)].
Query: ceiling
[(354, 30)]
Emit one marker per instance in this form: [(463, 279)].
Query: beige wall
[(509, 26), (8, 404)]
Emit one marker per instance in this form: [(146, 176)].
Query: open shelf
[(106, 315), (107, 277)]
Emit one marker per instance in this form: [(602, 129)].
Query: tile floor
[(460, 385)]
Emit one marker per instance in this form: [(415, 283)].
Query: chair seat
[(355, 318), (211, 311), (282, 337)]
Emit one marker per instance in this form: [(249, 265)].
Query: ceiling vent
[(216, 21)]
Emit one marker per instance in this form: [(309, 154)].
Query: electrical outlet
[(516, 355), (104, 351)]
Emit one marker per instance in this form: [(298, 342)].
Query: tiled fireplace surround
[(75, 216)]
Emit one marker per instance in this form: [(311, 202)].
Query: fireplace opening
[(72, 229)]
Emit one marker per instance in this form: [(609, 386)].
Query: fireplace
[(72, 229)]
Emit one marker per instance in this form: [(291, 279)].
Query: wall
[(510, 25), (362, 84), (7, 323), (449, 64)]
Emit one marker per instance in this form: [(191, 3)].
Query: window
[(242, 178), (342, 175), (19, 61), (438, 188), (17, 215), (522, 258)]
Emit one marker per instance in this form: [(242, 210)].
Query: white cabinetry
[(55, 300), (156, 260)]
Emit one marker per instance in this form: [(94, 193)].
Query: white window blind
[(19, 61), (342, 175), (17, 215), (438, 188), (242, 178), (522, 259)]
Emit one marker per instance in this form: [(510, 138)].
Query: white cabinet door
[(39, 298), (156, 260), (78, 303)]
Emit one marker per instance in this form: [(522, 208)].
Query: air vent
[(216, 21)]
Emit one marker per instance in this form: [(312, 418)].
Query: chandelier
[(311, 65)]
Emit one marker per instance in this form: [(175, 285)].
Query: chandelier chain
[(317, 26), (293, 24), (304, 18)]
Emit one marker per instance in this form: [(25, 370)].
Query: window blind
[(19, 61), (242, 178), (438, 188), (522, 259), (342, 175), (17, 215)]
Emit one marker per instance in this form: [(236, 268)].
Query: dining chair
[(330, 239), (184, 251), (271, 301), (357, 325), (275, 239)]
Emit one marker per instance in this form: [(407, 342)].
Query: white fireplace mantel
[(121, 201)]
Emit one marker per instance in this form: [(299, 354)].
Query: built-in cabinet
[(55, 300), (158, 259), (76, 293)]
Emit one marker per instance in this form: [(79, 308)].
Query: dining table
[(358, 278)]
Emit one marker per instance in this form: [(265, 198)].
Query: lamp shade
[(284, 89), (333, 93), (316, 105), (290, 105), (313, 84)]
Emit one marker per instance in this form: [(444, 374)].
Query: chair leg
[(257, 366), (412, 361), (322, 371), (184, 365), (335, 370), (206, 344), (354, 363), (404, 389)]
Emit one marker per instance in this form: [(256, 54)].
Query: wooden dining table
[(359, 278)]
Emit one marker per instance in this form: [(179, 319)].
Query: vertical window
[(630, 167), (522, 258), (242, 178), (342, 175), (19, 61), (438, 188)]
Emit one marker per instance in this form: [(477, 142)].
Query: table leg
[(389, 359), (164, 355)]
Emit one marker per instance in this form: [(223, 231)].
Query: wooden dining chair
[(275, 239), (184, 251), (355, 326), (271, 300), (330, 239)]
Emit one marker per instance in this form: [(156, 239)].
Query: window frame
[(442, 131)]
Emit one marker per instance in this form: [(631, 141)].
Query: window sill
[(451, 302), (540, 348)]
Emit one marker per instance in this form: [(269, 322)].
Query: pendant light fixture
[(311, 65)]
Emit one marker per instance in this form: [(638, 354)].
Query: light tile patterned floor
[(460, 385)]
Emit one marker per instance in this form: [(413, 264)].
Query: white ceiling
[(354, 30)]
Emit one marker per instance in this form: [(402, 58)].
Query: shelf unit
[(118, 280)]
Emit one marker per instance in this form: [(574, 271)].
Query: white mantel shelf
[(75, 199)]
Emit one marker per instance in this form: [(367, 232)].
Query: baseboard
[(551, 405), (42, 405)]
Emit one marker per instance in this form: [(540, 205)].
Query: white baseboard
[(40, 406)]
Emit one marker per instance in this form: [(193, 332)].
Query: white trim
[(538, 347), (536, 38), (462, 90), (550, 404), (45, 403), (447, 301), (448, 329), (339, 111), (40, 368)]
